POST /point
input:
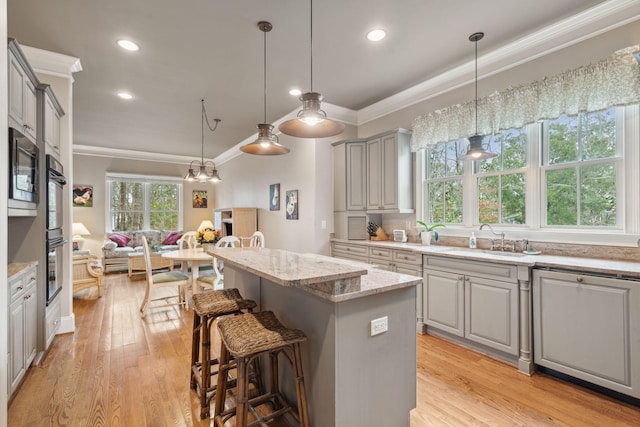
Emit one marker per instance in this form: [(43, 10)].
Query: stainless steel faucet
[(497, 234)]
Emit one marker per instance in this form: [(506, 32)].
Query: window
[(140, 203), (445, 171), (501, 179), (581, 168), (566, 175)]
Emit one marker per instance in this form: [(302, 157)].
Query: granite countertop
[(15, 268), (594, 265), (330, 278)]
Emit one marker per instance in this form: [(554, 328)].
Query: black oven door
[(55, 182), (54, 268)]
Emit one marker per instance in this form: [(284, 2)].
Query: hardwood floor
[(120, 370)]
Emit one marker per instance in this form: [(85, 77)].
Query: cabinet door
[(30, 324), (589, 328), (51, 129), (444, 301), (30, 108), (16, 92), (356, 175), (374, 174), (16, 344), (389, 175), (491, 313)]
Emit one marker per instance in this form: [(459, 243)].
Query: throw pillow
[(172, 238), (120, 239)]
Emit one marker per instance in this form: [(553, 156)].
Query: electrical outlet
[(379, 326)]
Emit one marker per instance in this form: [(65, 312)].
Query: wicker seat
[(87, 272), (245, 337), (208, 306)]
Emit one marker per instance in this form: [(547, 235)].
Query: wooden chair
[(87, 272), (214, 280), (162, 280)]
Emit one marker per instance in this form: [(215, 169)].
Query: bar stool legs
[(208, 306), (245, 337)]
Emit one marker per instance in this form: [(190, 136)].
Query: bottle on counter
[(472, 240)]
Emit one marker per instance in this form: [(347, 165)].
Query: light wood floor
[(120, 370)]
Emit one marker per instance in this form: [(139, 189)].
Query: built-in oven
[(23, 175), (55, 236)]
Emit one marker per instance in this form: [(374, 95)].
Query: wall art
[(199, 198), (292, 204), (274, 197), (83, 196)]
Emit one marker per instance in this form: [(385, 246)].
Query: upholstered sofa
[(115, 255)]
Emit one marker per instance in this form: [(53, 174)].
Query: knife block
[(380, 235)]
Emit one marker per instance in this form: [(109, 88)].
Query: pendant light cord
[(204, 119), (311, 40), (265, 76), (476, 45)]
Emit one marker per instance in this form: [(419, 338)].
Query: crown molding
[(52, 62), (575, 29), (90, 150)]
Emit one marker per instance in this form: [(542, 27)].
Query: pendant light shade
[(203, 171), (312, 121), (475, 150), (267, 143)]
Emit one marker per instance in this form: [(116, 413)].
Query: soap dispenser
[(472, 240)]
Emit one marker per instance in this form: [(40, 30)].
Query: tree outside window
[(580, 171), (144, 204), (443, 185)]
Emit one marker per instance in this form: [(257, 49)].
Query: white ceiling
[(212, 49)]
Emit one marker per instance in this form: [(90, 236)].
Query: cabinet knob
[(20, 288), (579, 279), (460, 277)]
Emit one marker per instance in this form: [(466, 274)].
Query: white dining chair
[(257, 240), (188, 240), (214, 280), (162, 280)]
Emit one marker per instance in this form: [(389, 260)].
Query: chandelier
[(206, 171)]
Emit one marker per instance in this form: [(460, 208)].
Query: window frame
[(147, 181), (628, 193)]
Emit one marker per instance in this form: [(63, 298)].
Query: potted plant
[(428, 231)]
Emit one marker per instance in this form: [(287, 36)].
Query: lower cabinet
[(22, 325), (349, 251), (477, 301), (588, 327)]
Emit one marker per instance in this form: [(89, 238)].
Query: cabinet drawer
[(346, 249), (488, 270), (52, 321), (406, 257), (19, 285), (380, 253)]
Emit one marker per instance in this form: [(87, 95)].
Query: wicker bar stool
[(245, 337), (208, 306)]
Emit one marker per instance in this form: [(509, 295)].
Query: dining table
[(192, 258)]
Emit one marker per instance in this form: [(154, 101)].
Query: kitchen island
[(354, 376)]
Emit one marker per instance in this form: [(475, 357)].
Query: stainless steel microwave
[(24, 158)]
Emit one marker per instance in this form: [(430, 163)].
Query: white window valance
[(610, 82)]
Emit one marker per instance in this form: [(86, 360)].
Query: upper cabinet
[(49, 119), (22, 92), (389, 176)]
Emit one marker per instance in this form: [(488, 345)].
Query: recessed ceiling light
[(125, 95), (128, 45), (376, 35), (295, 92)]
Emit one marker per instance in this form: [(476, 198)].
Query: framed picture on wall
[(82, 196), (274, 197), (292, 204), (199, 198)]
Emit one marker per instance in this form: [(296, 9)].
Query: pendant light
[(312, 121), (475, 151), (206, 170), (267, 143)]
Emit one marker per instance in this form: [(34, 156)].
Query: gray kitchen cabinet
[(349, 169), (22, 83), (480, 302), (588, 327), (389, 173), (22, 325), (348, 251), (49, 119)]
